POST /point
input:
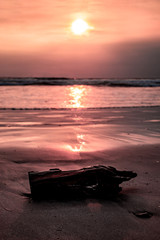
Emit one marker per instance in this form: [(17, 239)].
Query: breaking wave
[(140, 82)]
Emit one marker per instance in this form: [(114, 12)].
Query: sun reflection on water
[(76, 97)]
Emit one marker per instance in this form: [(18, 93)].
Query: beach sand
[(35, 140)]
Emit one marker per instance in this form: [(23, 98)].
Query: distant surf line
[(78, 109)]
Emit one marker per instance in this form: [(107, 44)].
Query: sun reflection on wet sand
[(78, 147), (76, 97)]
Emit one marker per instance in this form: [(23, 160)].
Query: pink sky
[(36, 39)]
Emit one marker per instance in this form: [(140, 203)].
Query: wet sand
[(126, 138)]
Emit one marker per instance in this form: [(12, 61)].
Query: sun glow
[(80, 26)]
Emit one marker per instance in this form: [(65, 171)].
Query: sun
[(79, 26)]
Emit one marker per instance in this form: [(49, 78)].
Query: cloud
[(132, 59), (128, 59)]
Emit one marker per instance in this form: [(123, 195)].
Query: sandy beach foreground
[(35, 140)]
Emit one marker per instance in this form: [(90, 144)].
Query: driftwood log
[(96, 181)]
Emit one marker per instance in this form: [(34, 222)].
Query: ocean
[(68, 93)]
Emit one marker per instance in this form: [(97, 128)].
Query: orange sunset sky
[(123, 41)]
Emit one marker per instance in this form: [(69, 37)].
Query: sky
[(36, 38)]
